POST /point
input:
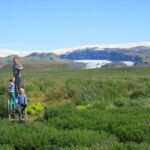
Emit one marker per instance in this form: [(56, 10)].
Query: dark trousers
[(17, 84), (21, 108)]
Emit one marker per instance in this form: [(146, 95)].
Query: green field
[(95, 109)]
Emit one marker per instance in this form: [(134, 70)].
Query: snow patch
[(128, 63), (99, 63), (100, 47)]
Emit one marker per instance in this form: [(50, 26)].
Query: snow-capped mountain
[(101, 47), (7, 52), (137, 54)]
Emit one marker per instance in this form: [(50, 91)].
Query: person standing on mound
[(17, 67)]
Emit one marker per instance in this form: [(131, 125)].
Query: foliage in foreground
[(86, 109)]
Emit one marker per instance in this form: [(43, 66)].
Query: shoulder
[(19, 66)]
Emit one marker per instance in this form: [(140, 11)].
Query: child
[(12, 99), (22, 102)]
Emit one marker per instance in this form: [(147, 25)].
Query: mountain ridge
[(7, 52), (140, 55)]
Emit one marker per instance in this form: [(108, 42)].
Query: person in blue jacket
[(22, 102)]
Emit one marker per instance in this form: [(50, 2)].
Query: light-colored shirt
[(11, 87)]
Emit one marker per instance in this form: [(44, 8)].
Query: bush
[(3, 90), (34, 108), (6, 147), (137, 94), (119, 103), (39, 136)]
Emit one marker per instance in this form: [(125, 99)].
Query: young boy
[(12, 99), (22, 102)]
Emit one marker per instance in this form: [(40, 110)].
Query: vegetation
[(106, 109)]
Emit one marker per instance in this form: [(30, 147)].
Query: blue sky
[(54, 24)]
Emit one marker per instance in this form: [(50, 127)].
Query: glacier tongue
[(100, 63), (94, 63)]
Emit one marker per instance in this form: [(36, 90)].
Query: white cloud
[(101, 47), (7, 52)]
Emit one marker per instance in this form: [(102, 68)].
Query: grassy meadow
[(94, 109)]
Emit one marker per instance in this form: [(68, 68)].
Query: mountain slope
[(139, 53), (106, 54), (37, 55), (39, 62)]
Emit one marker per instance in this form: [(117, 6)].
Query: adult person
[(17, 67)]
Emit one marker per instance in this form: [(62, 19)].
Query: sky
[(54, 24)]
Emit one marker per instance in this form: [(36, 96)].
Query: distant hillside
[(139, 55), (44, 67), (34, 58), (115, 65), (6, 60), (35, 67), (49, 56), (39, 61)]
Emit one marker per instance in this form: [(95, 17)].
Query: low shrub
[(3, 89), (119, 103), (40, 136), (3, 106), (137, 94), (34, 108)]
